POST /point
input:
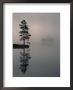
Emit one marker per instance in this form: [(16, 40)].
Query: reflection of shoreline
[(18, 46)]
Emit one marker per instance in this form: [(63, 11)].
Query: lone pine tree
[(24, 34)]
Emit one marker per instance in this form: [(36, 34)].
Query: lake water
[(44, 62)]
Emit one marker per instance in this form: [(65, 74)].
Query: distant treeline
[(20, 46)]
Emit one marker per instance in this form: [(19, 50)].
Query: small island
[(17, 46)]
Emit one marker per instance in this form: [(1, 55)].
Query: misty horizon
[(44, 44)]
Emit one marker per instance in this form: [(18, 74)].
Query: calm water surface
[(44, 62)]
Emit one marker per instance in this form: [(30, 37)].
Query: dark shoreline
[(18, 46)]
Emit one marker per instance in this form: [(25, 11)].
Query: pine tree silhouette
[(24, 34), (25, 54)]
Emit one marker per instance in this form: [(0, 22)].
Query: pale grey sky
[(43, 26)]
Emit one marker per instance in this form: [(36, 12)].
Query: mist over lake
[(44, 45)]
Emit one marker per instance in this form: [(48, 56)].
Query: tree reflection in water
[(24, 59)]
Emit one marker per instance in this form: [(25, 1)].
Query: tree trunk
[(23, 42)]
